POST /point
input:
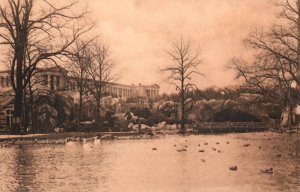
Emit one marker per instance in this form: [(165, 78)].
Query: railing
[(229, 127)]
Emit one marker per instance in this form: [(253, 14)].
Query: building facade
[(58, 79)]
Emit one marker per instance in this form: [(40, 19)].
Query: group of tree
[(92, 67), (38, 32), (275, 68), (274, 72), (34, 33)]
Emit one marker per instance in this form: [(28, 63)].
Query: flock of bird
[(88, 143), (184, 148)]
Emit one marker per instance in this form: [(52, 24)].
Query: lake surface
[(134, 165)]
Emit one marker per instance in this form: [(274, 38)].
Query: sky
[(140, 32)]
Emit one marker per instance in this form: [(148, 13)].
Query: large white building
[(58, 79)]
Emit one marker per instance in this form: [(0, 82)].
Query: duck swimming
[(267, 171)]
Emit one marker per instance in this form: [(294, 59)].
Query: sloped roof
[(6, 97), (156, 85), (55, 68), (6, 100)]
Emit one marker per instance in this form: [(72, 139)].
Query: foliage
[(233, 115), (140, 112)]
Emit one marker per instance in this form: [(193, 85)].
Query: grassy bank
[(59, 136)]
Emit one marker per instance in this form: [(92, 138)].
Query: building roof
[(65, 72), (6, 100), (54, 69), (4, 71)]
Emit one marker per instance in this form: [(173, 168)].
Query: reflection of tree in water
[(280, 153), (288, 174), (25, 170)]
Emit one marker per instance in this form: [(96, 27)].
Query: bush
[(69, 126), (141, 112), (233, 115)]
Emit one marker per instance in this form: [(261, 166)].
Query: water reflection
[(133, 165), (25, 169)]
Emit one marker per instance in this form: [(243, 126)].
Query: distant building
[(6, 111), (57, 79)]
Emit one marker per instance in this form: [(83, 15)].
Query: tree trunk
[(298, 28), (182, 129), (18, 100), (290, 108), (19, 55), (98, 115), (80, 104), (290, 116), (33, 127), (182, 122), (25, 112)]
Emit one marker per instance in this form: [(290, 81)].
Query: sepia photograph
[(149, 95)]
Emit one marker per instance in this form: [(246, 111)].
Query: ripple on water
[(133, 165)]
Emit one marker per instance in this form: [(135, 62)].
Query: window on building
[(148, 93), (45, 80), (131, 93), (9, 114), (2, 82), (57, 82), (119, 92), (74, 86), (65, 85), (52, 82), (7, 81)]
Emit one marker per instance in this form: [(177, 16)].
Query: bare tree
[(271, 79), (101, 73), (81, 58), (31, 91), (282, 41), (45, 29), (185, 62), (277, 56)]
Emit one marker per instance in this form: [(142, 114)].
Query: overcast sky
[(139, 32)]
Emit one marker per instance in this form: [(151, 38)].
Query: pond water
[(134, 165)]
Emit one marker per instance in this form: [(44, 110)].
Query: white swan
[(87, 145), (97, 140)]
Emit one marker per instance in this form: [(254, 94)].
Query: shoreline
[(131, 135), (64, 135)]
